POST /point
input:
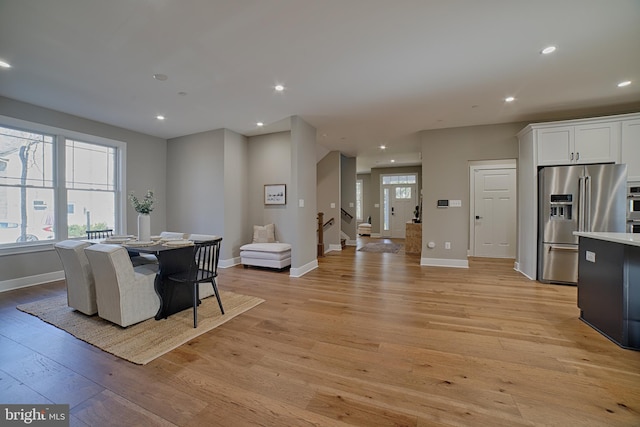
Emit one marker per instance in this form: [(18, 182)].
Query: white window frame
[(60, 194), (360, 202)]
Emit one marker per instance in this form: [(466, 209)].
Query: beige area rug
[(392, 248), (144, 341)]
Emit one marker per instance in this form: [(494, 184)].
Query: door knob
[(478, 217)]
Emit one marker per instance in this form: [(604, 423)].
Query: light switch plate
[(590, 256), (301, 203), (455, 203), (333, 205)]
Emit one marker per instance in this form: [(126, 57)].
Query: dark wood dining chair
[(204, 268), (99, 234)]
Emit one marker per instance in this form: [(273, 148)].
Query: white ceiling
[(363, 72)]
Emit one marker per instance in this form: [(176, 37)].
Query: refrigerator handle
[(581, 203), (587, 203)]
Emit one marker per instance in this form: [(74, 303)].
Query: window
[(398, 179), (91, 187), (27, 188), (386, 209), (54, 185), (359, 200), (403, 192)]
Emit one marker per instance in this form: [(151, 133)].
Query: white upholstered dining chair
[(81, 289), (125, 295)]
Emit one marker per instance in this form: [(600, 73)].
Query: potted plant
[(144, 208)]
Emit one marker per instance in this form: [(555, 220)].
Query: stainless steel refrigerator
[(576, 198)]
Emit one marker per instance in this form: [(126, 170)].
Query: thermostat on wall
[(443, 203)]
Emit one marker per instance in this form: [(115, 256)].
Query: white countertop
[(632, 239)]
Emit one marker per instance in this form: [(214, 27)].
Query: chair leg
[(215, 290), (196, 292)]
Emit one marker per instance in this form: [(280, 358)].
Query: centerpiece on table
[(144, 208)]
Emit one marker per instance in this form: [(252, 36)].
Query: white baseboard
[(301, 271), (23, 282), (226, 263), (516, 267), (441, 262), (334, 248)]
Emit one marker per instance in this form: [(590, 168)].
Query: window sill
[(16, 249)]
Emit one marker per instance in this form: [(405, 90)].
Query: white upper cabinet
[(584, 143), (630, 149), (555, 145), (597, 143)]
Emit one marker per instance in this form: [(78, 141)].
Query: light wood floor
[(367, 339)]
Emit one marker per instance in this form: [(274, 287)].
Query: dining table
[(172, 258)]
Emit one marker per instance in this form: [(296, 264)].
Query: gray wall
[(348, 224), (270, 163), (195, 183), (328, 188), (146, 160), (207, 172), (303, 179), (238, 229), (367, 206), (446, 154)]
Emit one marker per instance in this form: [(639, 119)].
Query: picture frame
[(275, 194)]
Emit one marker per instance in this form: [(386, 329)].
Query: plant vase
[(144, 227)]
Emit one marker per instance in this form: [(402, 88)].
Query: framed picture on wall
[(275, 194)]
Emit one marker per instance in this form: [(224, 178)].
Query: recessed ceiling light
[(393, 161), (160, 117), (160, 77), (4, 64), (547, 50), (259, 124), (383, 147), (279, 88), (624, 83), (509, 99)]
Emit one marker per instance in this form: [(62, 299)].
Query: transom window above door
[(398, 179)]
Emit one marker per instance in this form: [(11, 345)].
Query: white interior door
[(403, 203), (495, 213)]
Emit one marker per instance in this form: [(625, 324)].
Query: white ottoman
[(364, 229), (272, 255)]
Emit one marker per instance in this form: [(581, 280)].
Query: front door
[(403, 203), (399, 203), (399, 199), (495, 213)]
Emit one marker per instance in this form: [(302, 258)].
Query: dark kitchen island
[(609, 285)]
